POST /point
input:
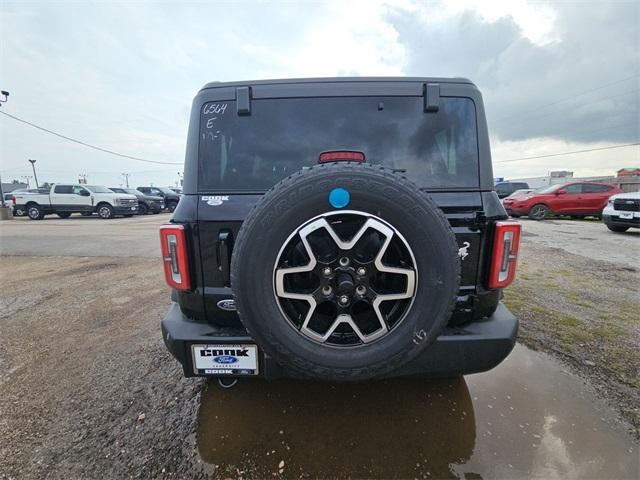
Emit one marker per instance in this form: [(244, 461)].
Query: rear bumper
[(473, 348)]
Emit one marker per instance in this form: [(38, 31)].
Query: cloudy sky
[(556, 77)]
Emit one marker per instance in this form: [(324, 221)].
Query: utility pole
[(4, 214), (1, 195), (126, 178), (33, 165)]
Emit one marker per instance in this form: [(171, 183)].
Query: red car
[(573, 199)]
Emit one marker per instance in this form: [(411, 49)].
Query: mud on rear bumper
[(473, 348)]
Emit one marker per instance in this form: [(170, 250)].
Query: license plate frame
[(225, 359), (626, 215)]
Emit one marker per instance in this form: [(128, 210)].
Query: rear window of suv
[(251, 153)]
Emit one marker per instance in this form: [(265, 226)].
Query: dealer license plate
[(225, 359), (626, 215)]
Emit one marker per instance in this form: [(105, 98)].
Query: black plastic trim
[(243, 100), (432, 97)]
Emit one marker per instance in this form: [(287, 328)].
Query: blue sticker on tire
[(339, 198)]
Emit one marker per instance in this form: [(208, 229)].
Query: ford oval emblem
[(228, 304), (225, 359)]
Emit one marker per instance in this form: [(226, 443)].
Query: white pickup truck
[(66, 198), (622, 212)]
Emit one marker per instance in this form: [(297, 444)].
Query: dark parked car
[(146, 203), (504, 189), (293, 256), (170, 197)]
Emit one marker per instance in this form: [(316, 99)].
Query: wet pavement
[(529, 417)]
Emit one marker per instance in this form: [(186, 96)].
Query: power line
[(87, 144), (567, 153), (569, 98)]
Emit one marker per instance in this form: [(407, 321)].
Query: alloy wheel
[(345, 278)]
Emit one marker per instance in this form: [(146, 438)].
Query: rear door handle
[(223, 252)]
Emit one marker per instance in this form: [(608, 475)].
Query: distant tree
[(14, 181), (45, 185)]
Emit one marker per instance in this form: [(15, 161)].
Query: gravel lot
[(82, 236), (586, 238), (87, 389), (82, 360)]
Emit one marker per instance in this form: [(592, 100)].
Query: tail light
[(505, 253), (341, 156), (174, 256), (13, 199)]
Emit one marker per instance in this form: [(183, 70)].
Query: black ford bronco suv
[(339, 229)]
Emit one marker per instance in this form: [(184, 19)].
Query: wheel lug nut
[(361, 271), (326, 290), (326, 271), (344, 261), (344, 299), (361, 290)]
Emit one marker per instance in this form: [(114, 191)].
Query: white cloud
[(346, 38)]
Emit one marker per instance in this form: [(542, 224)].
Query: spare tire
[(345, 271)]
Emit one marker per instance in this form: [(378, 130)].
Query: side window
[(63, 189), (591, 188), (503, 188), (78, 190), (575, 188), (155, 191)]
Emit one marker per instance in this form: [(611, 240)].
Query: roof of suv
[(218, 84)]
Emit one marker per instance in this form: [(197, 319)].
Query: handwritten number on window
[(215, 108)]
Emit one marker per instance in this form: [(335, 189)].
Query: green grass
[(600, 333)]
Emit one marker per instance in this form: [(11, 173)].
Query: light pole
[(126, 178), (33, 165)]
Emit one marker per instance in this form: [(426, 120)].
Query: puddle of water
[(528, 417)]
